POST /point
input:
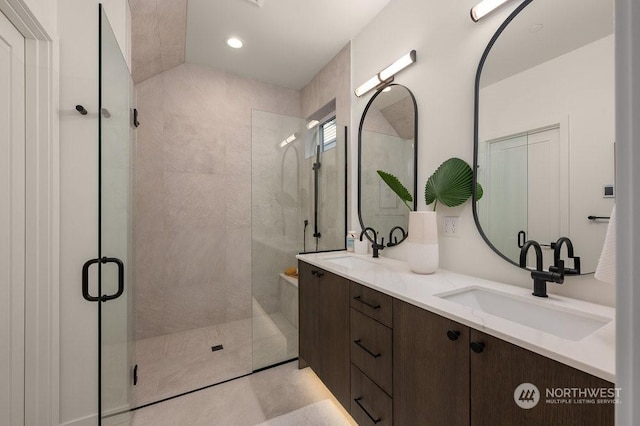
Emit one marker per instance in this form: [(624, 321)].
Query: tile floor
[(279, 396), (176, 363), (181, 362)]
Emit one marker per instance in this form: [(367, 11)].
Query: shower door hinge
[(135, 374), (136, 123)]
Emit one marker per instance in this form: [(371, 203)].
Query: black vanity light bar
[(386, 75), (484, 8)]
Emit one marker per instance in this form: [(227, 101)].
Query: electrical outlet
[(450, 226)]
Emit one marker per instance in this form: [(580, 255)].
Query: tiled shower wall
[(193, 188), (193, 196)]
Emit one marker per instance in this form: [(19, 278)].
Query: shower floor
[(173, 364)]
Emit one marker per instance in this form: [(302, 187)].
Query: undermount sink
[(568, 324), (349, 262)]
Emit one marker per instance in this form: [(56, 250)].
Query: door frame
[(42, 238)]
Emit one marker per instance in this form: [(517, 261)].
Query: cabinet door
[(308, 317), (324, 328), (333, 313), (501, 367), (430, 368)]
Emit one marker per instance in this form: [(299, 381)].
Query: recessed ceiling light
[(235, 42), (258, 3), (535, 28)]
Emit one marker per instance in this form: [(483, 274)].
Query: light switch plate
[(608, 191)]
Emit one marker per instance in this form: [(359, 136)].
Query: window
[(328, 134)]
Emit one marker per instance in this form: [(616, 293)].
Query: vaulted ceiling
[(286, 42)]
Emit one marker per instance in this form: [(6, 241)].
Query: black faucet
[(540, 277), (556, 257), (374, 243), (393, 241)]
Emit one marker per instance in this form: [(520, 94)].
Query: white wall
[(78, 34), (46, 12), (627, 210), (449, 46)]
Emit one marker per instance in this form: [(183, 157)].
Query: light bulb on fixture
[(368, 85), (485, 7), (386, 75), (235, 42), (398, 66), (288, 140), (387, 89)]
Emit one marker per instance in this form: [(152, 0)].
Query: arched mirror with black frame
[(387, 141), (544, 130)]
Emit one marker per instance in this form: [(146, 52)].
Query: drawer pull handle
[(477, 347), (453, 335), (317, 273), (371, 305), (358, 342), (373, 419)]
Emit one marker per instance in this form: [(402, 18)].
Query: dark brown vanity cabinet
[(371, 356), (448, 373), (324, 328), (388, 361), (370, 405), (431, 368), (500, 367)]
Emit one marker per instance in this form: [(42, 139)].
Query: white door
[(508, 203), (524, 172), (544, 189), (12, 224)]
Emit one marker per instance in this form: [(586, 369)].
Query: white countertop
[(594, 354)]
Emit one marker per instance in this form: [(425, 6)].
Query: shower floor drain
[(216, 348)]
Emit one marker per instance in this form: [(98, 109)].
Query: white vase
[(422, 242)]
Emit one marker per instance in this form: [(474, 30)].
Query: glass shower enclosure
[(115, 214), (211, 311), (298, 204)]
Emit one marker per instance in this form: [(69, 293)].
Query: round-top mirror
[(387, 142), (544, 139)]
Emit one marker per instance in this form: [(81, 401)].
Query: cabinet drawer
[(371, 344), (369, 404), (372, 303)]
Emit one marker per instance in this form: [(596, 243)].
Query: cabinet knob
[(317, 273), (453, 335), (477, 347)]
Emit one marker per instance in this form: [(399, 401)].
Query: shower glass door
[(298, 204), (115, 277)]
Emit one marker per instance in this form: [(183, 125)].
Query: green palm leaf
[(397, 187), (451, 184)]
